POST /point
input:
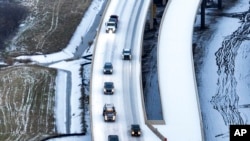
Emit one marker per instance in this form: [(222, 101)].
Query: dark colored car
[(126, 54), (108, 68), (108, 88), (109, 112), (113, 138), (135, 130)]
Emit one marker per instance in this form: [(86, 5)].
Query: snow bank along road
[(177, 81), (126, 74)]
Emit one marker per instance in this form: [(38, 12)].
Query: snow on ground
[(216, 122), (207, 88), (215, 127), (176, 73), (61, 96), (71, 48), (211, 118), (72, 68)]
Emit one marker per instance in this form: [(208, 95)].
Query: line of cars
[(109, 111), (135, 131)]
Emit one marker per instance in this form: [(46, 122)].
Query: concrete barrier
[(155, 131), (147, 122)]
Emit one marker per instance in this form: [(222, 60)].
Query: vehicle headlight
[(139, 132), (133, 132), (113, 117), (113, 90), (105, 117)]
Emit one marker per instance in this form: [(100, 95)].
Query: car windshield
[(112, 19), (108, 65), (109, 84), (109, 109), (111, 24), (113, 138), (126, 51), (136, 127)]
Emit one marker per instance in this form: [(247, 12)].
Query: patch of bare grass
[(50, 27), (27, 103)]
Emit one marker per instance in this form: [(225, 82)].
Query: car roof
[(126, 49), (109, 105), (135, 126), (113, 137), (110, 21), (116, 16), (108, 83), (108, 64)]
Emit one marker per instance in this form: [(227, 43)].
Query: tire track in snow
[(226, 98), (54, 23), (26, 111)]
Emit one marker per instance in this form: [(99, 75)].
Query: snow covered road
[(127, 96)]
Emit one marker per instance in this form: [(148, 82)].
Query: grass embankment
[(50, 26), (27, 102)]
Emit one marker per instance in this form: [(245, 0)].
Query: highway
[(126, 98), (175, 68)]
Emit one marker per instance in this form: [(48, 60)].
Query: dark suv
[(109, 112), (108, 68), (113, 138), (108, 88), (135, 130)]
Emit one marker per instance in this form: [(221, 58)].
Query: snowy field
[(26, 99), (223, 74)]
